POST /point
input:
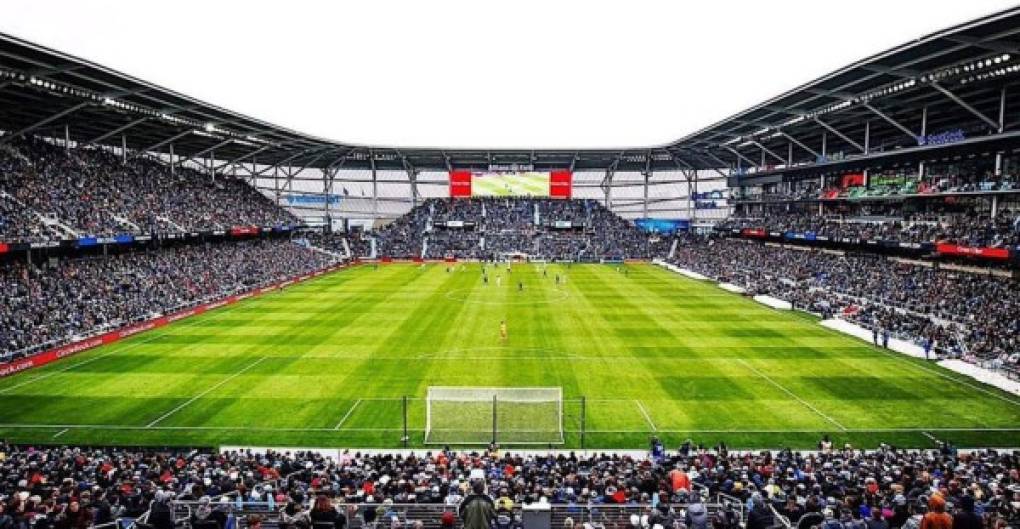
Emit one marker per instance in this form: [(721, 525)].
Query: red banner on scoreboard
[(560, 184), (1000, 254), (460, 184)]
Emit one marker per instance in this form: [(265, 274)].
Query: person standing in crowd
[(937, 517), (885, 338), (965, 517), (477, 510)]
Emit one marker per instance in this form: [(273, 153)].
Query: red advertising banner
[(853, 180), (244, 230), (998, 254), (561, 184), (53, 355), (753, 232), (460, 184), (4, 248)]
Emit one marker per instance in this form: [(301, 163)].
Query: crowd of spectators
[(55, 301), (340, 243), (492, 228), (77, 487), (963, 229), (958, 314), (96, 193)]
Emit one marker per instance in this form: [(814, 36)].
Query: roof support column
[(276, 183), (867, 150), (123, 149), (644, 209), (840, 135), (924, 131), (1002, 127), (67, 137), (375, 185), (173, 163)]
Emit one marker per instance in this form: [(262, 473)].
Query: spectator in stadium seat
[(760, 516), (965, 517), (325, 516), (477, 510), (937, 517)]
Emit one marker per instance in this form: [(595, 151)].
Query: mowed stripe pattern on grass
[(327, 362)]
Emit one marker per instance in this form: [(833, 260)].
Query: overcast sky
[(522, 73)]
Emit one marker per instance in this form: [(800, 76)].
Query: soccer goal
[(473, 415)]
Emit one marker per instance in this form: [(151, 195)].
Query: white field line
[(128, 346), (348, 414), (206, 392), (792, 394), (645, 413), (61, 432), (331, 430)]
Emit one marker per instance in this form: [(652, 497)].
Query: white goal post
[(477, 415)]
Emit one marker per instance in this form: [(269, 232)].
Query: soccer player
[(520, 286), (503, 335), (485, 279)]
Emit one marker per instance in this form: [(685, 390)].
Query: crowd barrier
[(775, 303), (980, 374), (682, 271), (52, 355)]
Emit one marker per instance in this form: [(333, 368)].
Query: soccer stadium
[(803, 315)]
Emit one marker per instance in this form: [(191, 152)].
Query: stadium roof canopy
[(952, 80)]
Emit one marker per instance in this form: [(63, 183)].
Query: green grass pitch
[(326, 363)]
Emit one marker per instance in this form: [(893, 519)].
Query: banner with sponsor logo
[(244, 230), (757, 233), (460, 184), (561, 184), (997, 254)]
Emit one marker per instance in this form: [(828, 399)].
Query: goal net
[(472, 415)]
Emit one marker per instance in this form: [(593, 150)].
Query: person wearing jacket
[(937, 517), (477, 510)]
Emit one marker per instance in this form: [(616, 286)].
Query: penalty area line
[(348, 414), (206, 392), (792, 394), (644, 412)]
